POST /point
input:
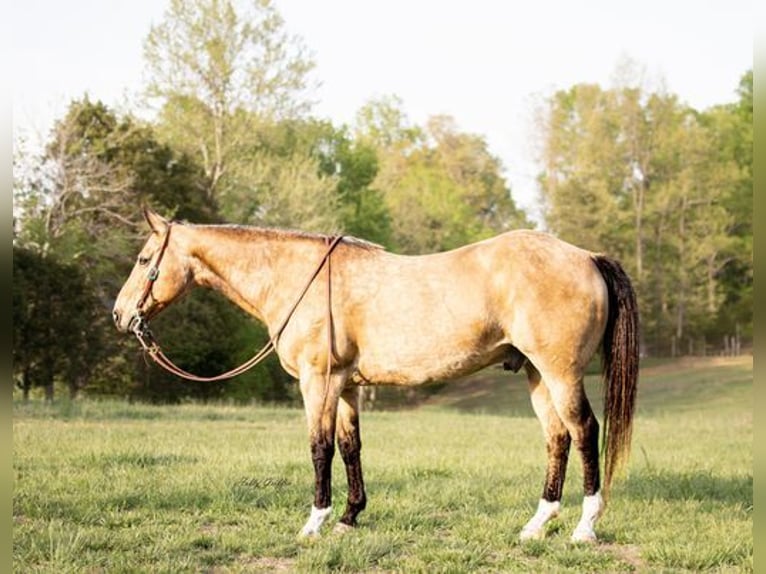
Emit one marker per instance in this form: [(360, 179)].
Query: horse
[(347, 313)]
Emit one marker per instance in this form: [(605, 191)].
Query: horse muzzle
[(125, 325), (117, 318)]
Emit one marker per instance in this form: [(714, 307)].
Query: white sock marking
[(315, 521), (592, 507), (535, 528)]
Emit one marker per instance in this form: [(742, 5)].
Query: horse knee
[(350, 448), (322, 449), (349, 445)]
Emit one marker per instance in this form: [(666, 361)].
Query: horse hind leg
[(568, 398), (557, 441), (350, 446)]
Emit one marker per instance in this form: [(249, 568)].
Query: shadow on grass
[(698, 485)]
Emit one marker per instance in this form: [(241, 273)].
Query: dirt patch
[(628, 553), (263, 564)]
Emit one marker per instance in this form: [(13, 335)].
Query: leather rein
[(140, 325)]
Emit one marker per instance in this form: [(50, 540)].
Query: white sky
[(485, 62)]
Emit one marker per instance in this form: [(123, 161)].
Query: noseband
[(140, 325)]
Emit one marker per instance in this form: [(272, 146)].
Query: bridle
[(139, 325), (151, 277)]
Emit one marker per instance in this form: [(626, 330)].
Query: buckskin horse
[(343, 313)]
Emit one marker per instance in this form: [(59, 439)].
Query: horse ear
[(155, 220)]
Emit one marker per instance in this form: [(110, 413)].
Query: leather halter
[(140, 326)]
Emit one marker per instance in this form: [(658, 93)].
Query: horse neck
[(258, 270)]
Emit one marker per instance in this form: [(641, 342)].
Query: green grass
[(111, 487)]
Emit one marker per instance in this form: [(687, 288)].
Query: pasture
[(113, 487)]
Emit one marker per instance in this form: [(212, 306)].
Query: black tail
[(619, 365)]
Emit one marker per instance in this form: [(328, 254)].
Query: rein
[(150, 345)]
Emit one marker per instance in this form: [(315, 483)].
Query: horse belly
[(425, 319), (417, 361)]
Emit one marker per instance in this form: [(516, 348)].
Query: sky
[(486, 63)]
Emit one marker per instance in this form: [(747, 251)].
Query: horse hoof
[(308, 533), (315, 521), (307, 536), (584, 536), (342, 528), (532, 534)]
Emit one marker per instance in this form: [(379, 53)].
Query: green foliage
[(383, 124), (86, 218), (219, 69), (96, 170), (732, 126), (441, 187), (583, 171), (55, 324), (228, 55), (664, 188), (363, 211), (288, 194), (308, 174)]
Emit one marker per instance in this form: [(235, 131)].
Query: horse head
[(162, 274)]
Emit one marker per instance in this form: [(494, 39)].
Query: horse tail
[(619, 365)]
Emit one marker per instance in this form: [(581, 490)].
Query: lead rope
[(152, 348), (330, 347)]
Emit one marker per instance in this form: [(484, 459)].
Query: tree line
[(667, 189), (233, 139)]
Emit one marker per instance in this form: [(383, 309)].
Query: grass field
[(112, 487)]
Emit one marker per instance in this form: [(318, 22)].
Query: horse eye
[(143, 260)]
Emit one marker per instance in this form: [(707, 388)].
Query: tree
[(732, 126), (312, 175), (351, 166), (218, 69), (382, 124), (642, 176), (54, 312), (354, 164), (283, 183), (467, 161), (583, 169), (82, 200), (81, 212), (441, 187), (95, 171)]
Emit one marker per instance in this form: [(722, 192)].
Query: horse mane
[(279, 234)]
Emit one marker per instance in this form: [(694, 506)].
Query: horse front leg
[(350, 445), (320, 400)]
